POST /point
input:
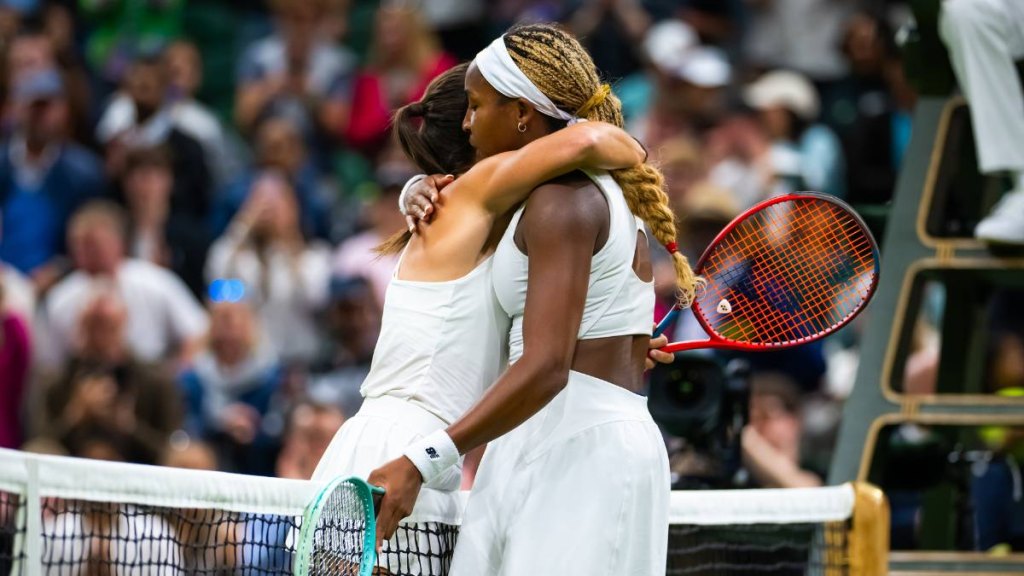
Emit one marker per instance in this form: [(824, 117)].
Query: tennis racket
[(788, 271), (338, 533)]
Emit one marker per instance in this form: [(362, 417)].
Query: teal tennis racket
[(338, 534)]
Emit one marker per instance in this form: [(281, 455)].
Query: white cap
[(667, 43), (706, 67), (787, 89)]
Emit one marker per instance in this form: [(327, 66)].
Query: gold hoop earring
[(521, 127)]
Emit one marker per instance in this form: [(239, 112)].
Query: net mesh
[(791, 271), (97, 518)]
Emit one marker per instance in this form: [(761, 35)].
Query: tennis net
[(64, 517)]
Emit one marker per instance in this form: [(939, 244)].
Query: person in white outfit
[(984, 38), (443, 333), (575, 476)]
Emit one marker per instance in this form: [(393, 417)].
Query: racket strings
[(788, 273), (340, 534)]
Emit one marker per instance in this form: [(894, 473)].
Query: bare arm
[(561, 227), (561, 242), (504, 180)]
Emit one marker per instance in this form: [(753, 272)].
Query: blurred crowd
[(191, 191)]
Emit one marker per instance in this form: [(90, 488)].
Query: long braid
[(559, 66)]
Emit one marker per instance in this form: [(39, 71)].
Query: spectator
[(184, 73), (771, 441), (121, 31), (15, 357), (800, 35), (285, 275), (609, 29), (58, 26), (688, 98), (150, 122), (311, 427), (353, 325), (803, 155), (405, 57), (164, 322), (43, 179), (880, 132), (296, 73), (985, 38), (229, 389), (356, 255), (174, 241), (103, 388), (665, 48), (280, 148), (19, 296)]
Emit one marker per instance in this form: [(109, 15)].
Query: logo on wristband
[(432, 454)]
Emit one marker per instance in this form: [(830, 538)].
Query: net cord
[(97, 481), (766, 506)]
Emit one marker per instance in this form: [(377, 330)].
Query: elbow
[(551, 377)]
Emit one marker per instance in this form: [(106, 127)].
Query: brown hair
[(148, 157), (563, 70), (430, 133)]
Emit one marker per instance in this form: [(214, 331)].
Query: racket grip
[(668, 319)]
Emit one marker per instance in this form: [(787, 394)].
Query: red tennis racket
[(788, 271)]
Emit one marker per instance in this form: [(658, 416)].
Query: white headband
[(501, 72)]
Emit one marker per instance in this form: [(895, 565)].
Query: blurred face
[(96, 247), (102, 325), (281, 215), (29, 54), (280, 146), (491, 119), (232, 332), (393, 31), (299, 24), (771, 419), (45, 119), (776, 122), (863, 45), (145, 84), (148, 186), (184, 68)]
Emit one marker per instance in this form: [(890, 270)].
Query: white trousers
[(984, 38), (581, 488)]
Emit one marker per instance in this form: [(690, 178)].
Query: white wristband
[(405, 191), (433, 455)]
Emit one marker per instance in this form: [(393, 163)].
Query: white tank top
[(618, 303), (441, 344)]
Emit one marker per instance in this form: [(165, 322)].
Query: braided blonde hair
[(560, 67)]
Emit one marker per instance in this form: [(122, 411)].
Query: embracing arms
[(502, 181)]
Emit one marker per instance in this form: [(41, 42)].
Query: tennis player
[(444, 336), (575, 479)]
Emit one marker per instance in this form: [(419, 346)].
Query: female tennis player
[(575, 478), (441, 299)]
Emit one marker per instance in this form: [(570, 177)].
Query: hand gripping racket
[(788, 271), (338, 533)]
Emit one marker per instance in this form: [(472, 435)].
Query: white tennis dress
[(441, 345), (583, 486)]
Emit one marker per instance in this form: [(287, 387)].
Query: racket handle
[(668, 319)]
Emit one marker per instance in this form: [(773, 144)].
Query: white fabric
[(441, 344), (19, 295), (618, 302), (381, 431), (765, 506), (502, 73), (582, 487), (287, 289), (162, 313), (984, 38)]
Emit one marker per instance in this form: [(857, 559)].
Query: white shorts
[(582, 487), (377, 434)]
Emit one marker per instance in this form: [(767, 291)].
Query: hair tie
[(417, 109), (594, 101), (672, 247)]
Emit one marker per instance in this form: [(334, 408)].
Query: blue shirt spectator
[(43, 177)]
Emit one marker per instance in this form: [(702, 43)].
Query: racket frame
[(716, 341), (311, 516)]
